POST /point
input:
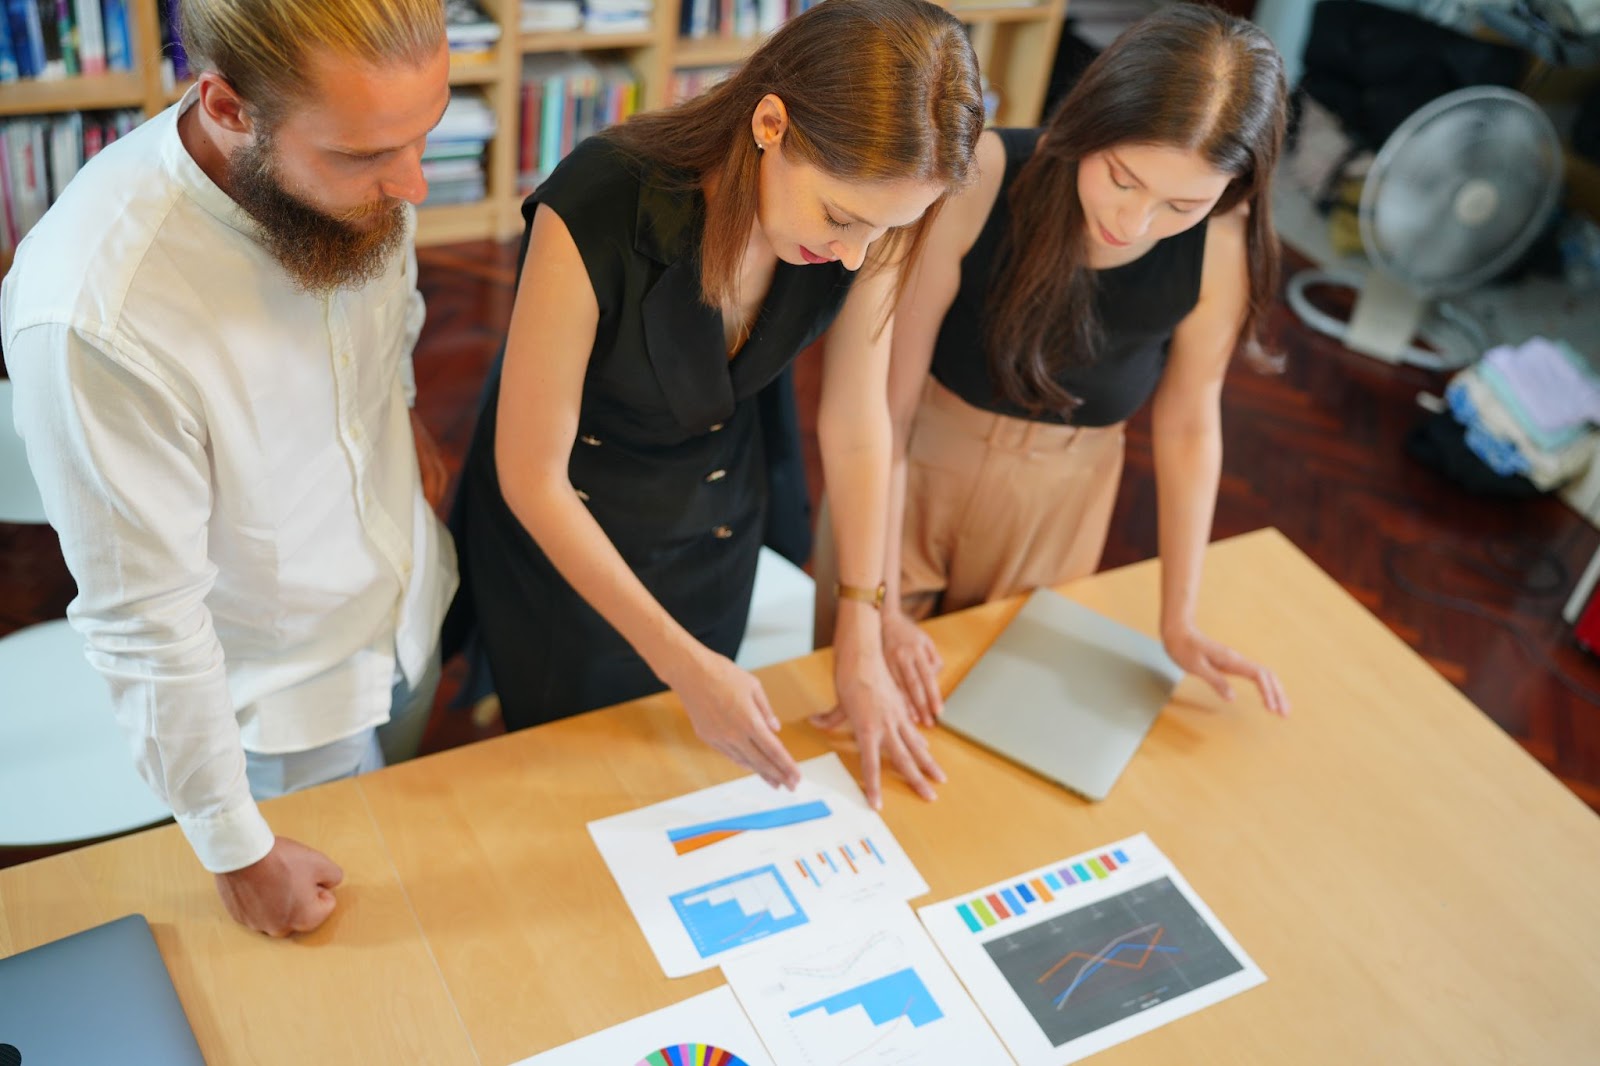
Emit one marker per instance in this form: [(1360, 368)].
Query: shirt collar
[(194, 181)]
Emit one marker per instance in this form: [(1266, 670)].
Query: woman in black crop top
[(615, 493), (1124, 252)]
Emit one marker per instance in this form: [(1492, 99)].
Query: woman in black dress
[(616, 490), (1119, 256)]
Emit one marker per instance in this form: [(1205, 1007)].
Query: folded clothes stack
[(1531, 409)]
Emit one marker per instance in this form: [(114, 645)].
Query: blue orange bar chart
[(851, 857), (983, 912)]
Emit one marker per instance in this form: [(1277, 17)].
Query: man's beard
[(321, 252)]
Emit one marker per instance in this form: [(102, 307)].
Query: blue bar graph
[(737, 910), (1120, 856), (1027, 894), (898, 995), (1053, 881)]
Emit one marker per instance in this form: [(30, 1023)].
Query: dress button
[(718, 427), (591, 440), (722, 532), (584, 496), (716, 475)]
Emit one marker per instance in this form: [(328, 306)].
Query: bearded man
[(210, 337)]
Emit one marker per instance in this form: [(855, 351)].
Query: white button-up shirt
[(229, 463)]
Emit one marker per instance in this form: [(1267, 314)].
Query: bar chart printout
[(737, 910), (712, 873), (704, 1030), (1115, 944), (868, 992)]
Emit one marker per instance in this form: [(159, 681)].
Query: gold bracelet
[(874, 597)]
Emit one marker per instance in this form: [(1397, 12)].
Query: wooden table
[(1416, 888)]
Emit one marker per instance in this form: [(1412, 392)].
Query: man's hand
[(288, 891), (435, 477)]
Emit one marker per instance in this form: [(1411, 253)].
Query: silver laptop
[(1066, 692), (99, 996)]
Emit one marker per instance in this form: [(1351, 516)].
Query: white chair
[(66, 773), (19, 496), (780, 613)]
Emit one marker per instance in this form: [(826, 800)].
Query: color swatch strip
[(981, 912)]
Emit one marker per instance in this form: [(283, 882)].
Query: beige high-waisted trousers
[(994, 506)]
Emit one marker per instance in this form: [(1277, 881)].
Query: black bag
[(1373, 66)]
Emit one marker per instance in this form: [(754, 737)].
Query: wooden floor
[(1316, 451)]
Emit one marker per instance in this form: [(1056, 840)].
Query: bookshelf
[(1015, 45)]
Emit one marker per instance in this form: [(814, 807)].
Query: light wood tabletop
[(1416, 888)]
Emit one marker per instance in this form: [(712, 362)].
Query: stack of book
[(64, 38), (737, 18), (452, 160), (618, 16), (566, 98), (471, 32), (38, 156), (551, 16)]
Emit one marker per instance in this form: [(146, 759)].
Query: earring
[(760, 147)]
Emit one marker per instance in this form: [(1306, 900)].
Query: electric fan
[(1455, 195)]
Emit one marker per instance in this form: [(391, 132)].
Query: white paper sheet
[(708, 1030), (709, 874), (1074, 957), (863, 989)]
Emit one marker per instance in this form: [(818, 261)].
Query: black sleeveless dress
[(670, 456), (1139, 305)]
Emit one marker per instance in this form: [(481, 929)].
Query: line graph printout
[(865, 989), (1103, 960), (715, 872)]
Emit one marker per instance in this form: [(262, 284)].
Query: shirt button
[(716, 475), (718, 427), (722, 532), (591, 440), (584, 496)]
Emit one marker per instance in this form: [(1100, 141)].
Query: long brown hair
[(1188, 76), (876, 90)]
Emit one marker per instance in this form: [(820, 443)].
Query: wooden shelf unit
[(1015, 44)]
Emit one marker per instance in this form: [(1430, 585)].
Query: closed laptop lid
[(1065, 692), (102, 996)]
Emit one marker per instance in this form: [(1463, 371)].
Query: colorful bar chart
[(849, 858), (694, 837), (897, 995), (737, 910), (983, 912)]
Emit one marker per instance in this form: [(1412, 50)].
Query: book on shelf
[(466, 22), (565, 98), (618, 16), (700, 19), (551, 16), (452, 159), (91, 35), (39, 156), (472, 34), (118, 35)]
